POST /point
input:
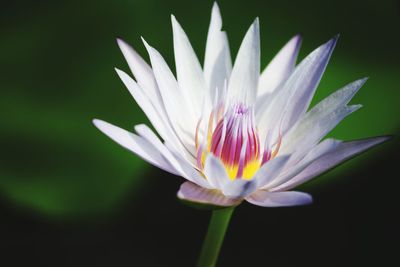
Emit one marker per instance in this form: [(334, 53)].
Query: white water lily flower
[(233, 133)]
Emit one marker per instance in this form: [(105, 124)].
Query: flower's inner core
[(234, 140)]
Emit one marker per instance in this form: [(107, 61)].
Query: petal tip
[(120, 40), (332, 42), (98, 123)]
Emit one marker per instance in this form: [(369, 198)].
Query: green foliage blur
[(57, 59)]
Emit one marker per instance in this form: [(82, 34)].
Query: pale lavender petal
[(279, 199), (191, 192), (292, 98), (304, 81), (243, 82), (295, 166), (280, 67), (341, 153), (321, 119), (239, 188), (270, 170), (215, 172)]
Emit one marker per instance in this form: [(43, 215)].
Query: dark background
[(71, 197)]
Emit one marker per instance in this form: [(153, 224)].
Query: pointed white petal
[(305, 80), (215, 172), (180, 114), (279, 199), (270, 170), (144, 103), (341, 153), (292, 98), (181, 166), (280, 67), (217, 175), (190, 172), (295, 166), (141, 70), (194, 193), (321, 119), (243, 82), (144, 131), (188, 69), (217, 61), (239, 188), (134, 143)]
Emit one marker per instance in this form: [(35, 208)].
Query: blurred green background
[(69, 196), (57, 60)]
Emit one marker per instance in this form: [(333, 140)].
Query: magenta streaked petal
[(218, 149), (279, 199), (238, 144), (242, 157), (194, 193)]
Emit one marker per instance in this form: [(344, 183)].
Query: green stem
[(215, 237)]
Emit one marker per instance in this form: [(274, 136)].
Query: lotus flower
[(235, 134)]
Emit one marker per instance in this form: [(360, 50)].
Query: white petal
[(291, 100), (215, 172), (321, 119), (182, 167), (341, 153), (279, 199), (239, 188), (189, 171), (294, 166), (142, 72), (280, 67), (188, 69), (305, 80), (243, 82), (270, 170), (144, 131), (194, 193), (217, 175), (180, 115), (217, 60), (134, 143), (157, 120)]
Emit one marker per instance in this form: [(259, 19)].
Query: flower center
[(235, 141)]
